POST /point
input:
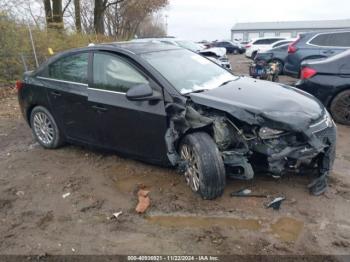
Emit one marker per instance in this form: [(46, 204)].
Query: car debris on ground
[(276, 203), (65, 195), (247, 193), (144, 201)]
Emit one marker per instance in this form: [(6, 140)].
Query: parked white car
[(254, 46), (265, 48)]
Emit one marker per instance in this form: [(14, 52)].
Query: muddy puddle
[(205, 222), (127, 184), (286, 229)]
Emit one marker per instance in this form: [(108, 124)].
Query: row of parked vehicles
[(320, 60)]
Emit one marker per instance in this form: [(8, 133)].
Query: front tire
[(340, 108), (45, 129), (205, 173)]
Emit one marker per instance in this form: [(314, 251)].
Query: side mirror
[(142, 92)]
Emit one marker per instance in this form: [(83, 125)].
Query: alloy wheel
[(43, 128), (192, 172)]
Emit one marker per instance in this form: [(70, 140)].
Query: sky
[(212, 19)]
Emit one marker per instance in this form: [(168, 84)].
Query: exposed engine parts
[(248, 149)]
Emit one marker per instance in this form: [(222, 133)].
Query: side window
[(321, 40), (341, 39), (334, 39), (114, 74), (72, 68), (259, 42)]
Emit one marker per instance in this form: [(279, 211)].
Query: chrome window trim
[(327, 33), (108, 91), (61, 81)]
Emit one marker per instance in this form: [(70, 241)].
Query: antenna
[(33, 46)]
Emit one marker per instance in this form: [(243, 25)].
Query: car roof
[(136, 47), (126, 47), (140, 48), (310, 34)]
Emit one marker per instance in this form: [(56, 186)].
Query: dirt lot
[(36, 219)]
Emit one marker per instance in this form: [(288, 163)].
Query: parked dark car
[(315, 45), (231, 48), (329, 80), (276, 55), (167, 105)]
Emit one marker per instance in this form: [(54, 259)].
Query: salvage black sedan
[(170, 106)]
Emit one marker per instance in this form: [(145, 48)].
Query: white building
[(248, 31)]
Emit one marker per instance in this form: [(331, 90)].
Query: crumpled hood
[(263, 103)]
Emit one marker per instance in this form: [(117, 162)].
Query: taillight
[(19, 85), (248, 46), (292, 47), (307, 73)]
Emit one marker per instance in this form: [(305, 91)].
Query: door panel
[(135, 128), (67, 82), (131, 127), (69, 103)]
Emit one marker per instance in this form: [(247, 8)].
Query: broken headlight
[(269, 133)]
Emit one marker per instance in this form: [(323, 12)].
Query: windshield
[(187, 71), (189, 45)]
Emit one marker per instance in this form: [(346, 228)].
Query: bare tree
[(48, 12), (57, 15), (77, 15)]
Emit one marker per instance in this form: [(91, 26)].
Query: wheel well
[(29, 112), (334, 95), (206, 129)]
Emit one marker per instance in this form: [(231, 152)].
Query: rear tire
[(205, 173), (340, 108), (45, 129)]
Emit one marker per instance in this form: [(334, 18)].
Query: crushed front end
[(248, 150)]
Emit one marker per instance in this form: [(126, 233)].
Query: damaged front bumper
[(244, 151), (290, 152)]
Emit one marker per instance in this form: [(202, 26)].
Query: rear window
[(332, 39), (73, 68)]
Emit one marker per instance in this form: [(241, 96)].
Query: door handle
[(329, 52), (55, 93), (100, 108)]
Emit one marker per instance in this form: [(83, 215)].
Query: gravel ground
[(37, 219)]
